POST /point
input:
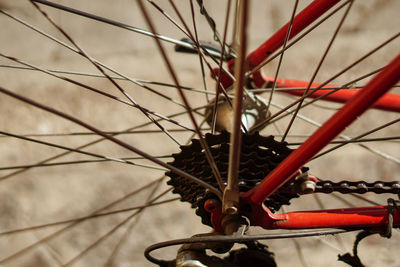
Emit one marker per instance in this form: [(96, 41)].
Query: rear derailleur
[(253, 253), (195, 255)]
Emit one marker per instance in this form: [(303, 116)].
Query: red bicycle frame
[(374, 94)]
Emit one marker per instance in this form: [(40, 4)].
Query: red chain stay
[(261, 213)]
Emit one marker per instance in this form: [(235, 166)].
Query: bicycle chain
[(358, 187), (259, 155)]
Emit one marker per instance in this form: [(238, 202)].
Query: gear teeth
[(259, 155), (196, 145), (209, 138)]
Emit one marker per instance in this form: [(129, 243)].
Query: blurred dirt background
[(47, 194)]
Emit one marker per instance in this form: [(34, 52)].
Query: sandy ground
[(47, 194)]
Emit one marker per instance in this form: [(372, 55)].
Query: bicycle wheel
[(91, 202)]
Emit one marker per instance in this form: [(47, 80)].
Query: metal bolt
[(231, 210), (307, 187)]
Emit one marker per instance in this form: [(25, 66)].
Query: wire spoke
[(150, 199), (200, 51), (130, 227), (318, 68), (297, 39), (312, 102), (76, 162), (112, 139), (134, 81), (172, 73), (312, 122), (187, 32), (118, 232), (107, 132), (366, 200), (102, 71), (211, 23), (283, 52), (88, 217), (354, 140), (203, 73), (137, 82), (337, 237), (76, 223), (122, 240), (358, 138), (257, 90), (86, 74), (217, 86), (107, 158), (343, 200), (90, 88), (119, 24), (231, 192), (283, 110), (101, 139)]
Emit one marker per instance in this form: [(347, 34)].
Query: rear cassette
[(259, 156)]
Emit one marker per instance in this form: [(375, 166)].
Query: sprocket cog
[(259, 156)]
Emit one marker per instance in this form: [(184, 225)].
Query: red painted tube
[(301, 21), (388, 102), (307, 16), (377, 87), (335, 218)]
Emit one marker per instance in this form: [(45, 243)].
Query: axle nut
[(307, 187)]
